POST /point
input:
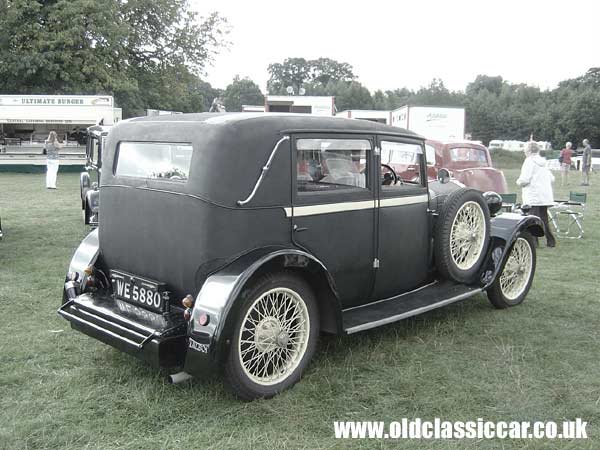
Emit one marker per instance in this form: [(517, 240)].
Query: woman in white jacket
[(536, 181)]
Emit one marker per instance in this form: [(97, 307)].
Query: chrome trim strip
[(414, 312), (401, 201), (264, 171), (328, 208)]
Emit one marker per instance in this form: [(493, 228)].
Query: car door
[(403, 245), (333, 212)]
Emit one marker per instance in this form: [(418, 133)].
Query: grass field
[(62, 390)]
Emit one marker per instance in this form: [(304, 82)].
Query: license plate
[(139, 291)]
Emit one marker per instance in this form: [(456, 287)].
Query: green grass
[(62, 390)]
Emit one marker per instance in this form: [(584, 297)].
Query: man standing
[(586, 163)]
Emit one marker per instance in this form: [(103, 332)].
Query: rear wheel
[(514, 280), (275, 337)]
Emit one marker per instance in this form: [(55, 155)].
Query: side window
[(430, 154), (329, 164), (403, 161)]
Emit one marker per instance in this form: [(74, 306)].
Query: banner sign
[(56, 109), (55, 100)]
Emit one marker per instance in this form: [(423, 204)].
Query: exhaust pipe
[(179, 377)]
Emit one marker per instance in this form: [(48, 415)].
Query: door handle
[(298, 229)]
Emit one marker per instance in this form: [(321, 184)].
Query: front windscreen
[(156, 160), (471, 155)]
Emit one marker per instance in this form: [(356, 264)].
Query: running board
[(426, 298)]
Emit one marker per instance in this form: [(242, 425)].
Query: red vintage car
[(468, 162)]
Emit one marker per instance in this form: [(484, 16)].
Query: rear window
[(157, 160)]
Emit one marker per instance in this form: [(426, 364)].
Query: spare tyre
[(462, 235)]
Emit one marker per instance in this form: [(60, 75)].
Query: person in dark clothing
[(586, 163)]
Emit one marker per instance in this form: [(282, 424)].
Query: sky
[(395, 44)]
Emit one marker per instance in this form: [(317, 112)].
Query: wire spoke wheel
[(467, 235), (517, 271), (514, 280), (274, 335)]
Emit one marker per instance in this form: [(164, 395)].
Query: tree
[(325, 70), (481, 82), (292, 72), (118, 47), (242, 91), (312, 75), (351, 95)]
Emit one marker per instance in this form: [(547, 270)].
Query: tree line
[(153, 54)]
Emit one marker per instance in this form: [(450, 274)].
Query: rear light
[(203, 319), (187, 314), (188, 301)]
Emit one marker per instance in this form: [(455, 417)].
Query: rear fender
[(85, 256), (504, 231), (218, 299), (91, 207), (84, 185)]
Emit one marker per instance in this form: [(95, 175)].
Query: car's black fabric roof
[(282, 121), (230, 150)]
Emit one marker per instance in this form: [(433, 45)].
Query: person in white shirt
[(536, 183), (52, 148)]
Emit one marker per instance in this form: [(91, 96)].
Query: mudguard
[(217, 299), (504, 230), (91, 207), (85, 256), (84, 185)]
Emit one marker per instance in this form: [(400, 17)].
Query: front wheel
[(514, 280), (275, 337)]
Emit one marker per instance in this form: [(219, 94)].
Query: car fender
[(503, 233), (84, 185), (91, 207), (85, 256), (218, 297)]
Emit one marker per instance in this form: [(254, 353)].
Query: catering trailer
[(373, 115), (433, 122), (304, 104), (26, 120)]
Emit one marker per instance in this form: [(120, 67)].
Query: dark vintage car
[(229, 242), (469, 162)]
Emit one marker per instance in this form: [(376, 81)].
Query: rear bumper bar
[(158, 339)]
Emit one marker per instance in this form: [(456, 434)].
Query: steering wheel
[(387, 181)]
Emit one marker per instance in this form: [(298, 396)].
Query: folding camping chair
[(509, 202), (567, 216)]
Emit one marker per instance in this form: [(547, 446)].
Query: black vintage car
[(229, 242)]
